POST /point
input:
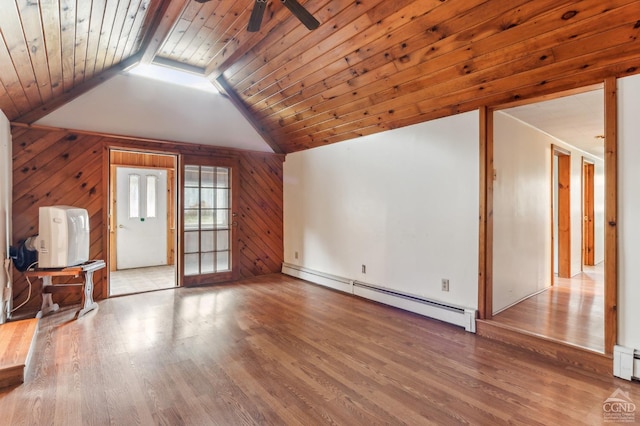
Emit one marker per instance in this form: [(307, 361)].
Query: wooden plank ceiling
[(372, 65)]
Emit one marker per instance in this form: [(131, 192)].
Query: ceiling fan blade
[(301, 13), (256, 15)]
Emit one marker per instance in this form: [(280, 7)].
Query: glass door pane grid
[(207, 224)]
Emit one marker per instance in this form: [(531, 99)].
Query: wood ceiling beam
[(165, 20), (228, 91), (169, 63)]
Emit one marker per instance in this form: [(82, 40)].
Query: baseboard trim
[(317, 277), (460, 316)]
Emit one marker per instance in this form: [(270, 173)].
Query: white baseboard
[(327, 280), (626, 363), (462, 317)]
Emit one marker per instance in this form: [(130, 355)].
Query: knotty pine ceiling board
[(49, 48), (427, 60), (372, 65)]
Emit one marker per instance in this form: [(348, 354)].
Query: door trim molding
[(588, 213), (563, 214), (219, 277), (485, 266), (611, 214), (485, 243), (173, 242)]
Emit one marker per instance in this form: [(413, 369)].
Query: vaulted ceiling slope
[(372, 65)]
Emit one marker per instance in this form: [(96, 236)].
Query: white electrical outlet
[(445, 284)]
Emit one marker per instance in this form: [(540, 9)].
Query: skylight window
[(173, 76)]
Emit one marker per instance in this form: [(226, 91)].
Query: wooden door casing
[(588, 205), (563, 215), (154, 160)]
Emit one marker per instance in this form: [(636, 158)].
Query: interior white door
[(141, 217)]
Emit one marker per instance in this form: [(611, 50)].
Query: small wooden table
[(87, 269)]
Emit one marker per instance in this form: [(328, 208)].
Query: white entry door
[(141, 217)]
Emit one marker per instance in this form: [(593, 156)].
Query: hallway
[(571, 311)]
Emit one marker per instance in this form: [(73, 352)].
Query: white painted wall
[(132, 105), (402, 202), (522, 206), (629, 212), (5, 200)]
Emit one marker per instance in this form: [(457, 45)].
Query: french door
[(209, 188)]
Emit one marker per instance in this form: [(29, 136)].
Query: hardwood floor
[(572, 311), (16, 348), (276, 350)]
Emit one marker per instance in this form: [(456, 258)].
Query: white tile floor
[(137, 280)]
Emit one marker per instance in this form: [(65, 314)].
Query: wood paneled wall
[(260, 214), (50, 168), (53, 166)]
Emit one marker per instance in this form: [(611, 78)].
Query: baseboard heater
[(626, 363), (463, 317)]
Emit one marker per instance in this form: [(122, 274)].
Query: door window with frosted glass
[(207, 222)]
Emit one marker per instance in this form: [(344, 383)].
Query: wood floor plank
[(571, 311), (16, 348), (276, 350)]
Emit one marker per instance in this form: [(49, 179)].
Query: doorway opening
[(561, 212), (542, 281), (588, 212), (210, 194), (142, 221)]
